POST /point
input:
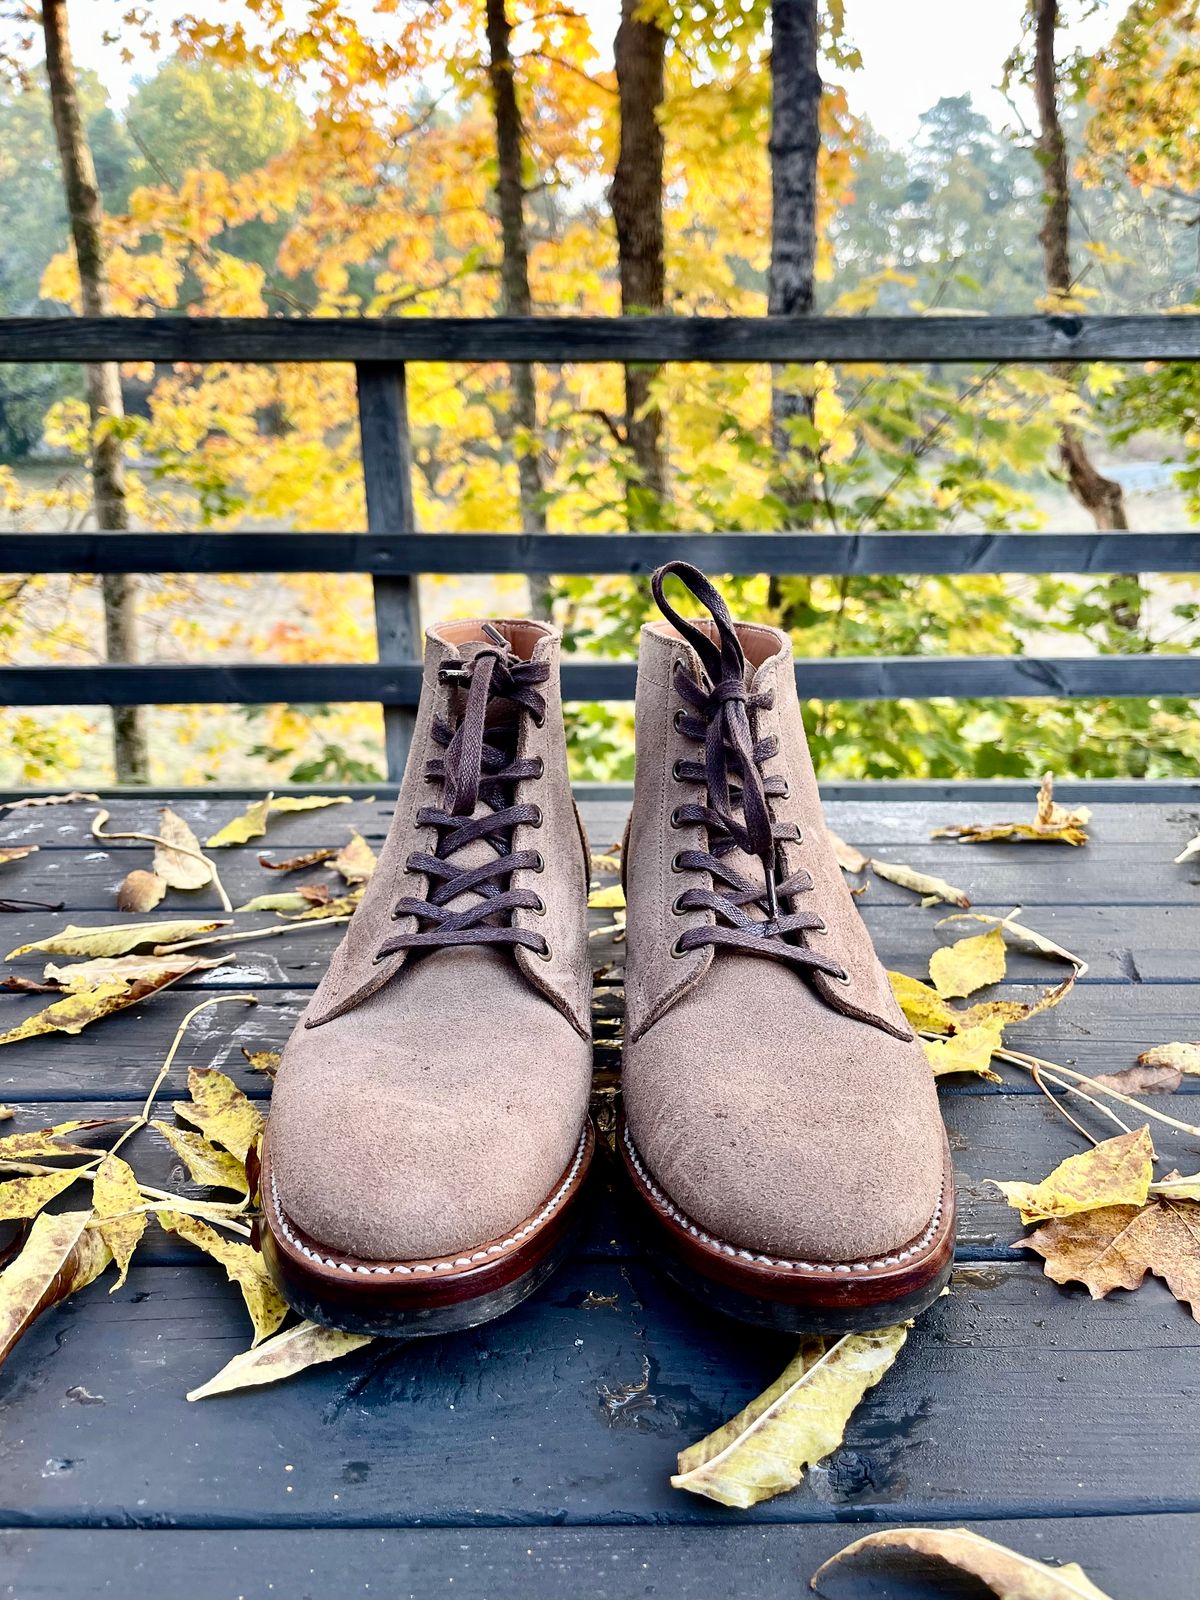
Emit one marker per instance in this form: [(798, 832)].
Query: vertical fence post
[(387, 474)]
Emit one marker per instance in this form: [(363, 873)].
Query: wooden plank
[(387, 476), (554, 340), (392, 549), (1126, 1556), (572, 1408), (844, 677)]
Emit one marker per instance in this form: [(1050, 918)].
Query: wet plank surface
[(533, 1455)]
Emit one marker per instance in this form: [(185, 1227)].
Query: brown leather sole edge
[(800, 1296), (411, 1299)]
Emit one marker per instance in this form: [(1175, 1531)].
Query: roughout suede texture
[(431, 1104), (786, 1114)]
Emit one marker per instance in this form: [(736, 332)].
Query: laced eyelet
[(676, 909), (786, 792), (539, 910), (541, 768), (821, 927), (840, 977), (675, 819), (540, 819), (678, 776), (540, 864), (676, 953), (676, 865), (677, 720), (545, 953)]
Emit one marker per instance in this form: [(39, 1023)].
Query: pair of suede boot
[(429, 1138)]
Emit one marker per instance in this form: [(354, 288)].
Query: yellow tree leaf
[(221, 1111), (1117, 1172), (925, 1009), (1052, 824), (931, 889), (243, 1266), (140, 891), (356, 860), (61, 1255), (1007, 1574), (801, 1418), (115, 1195), (1016, 933), (968, 1051), (176, 869), (204, 1162), (48, 800), (39, 1142), (610, 899), (969, 964), (308, 802), (252, 824), (25, 1197), (286, 900), (320, 912), (1184, 1057), (17, 852), (106, 969), (1176, 1187), (77, 1010), (116, 939), (264, 1060), (307, 1345)]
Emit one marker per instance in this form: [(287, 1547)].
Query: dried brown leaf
[(114, 939), (140, 891), (17, 852), (312, 858), (21, 985), (1142, 1080), (1116, 1247), (1007, 1574), (173, 864), (355, 860), (848, 857), (221, 1111), (61, 1255), (1052, 824), (32, 801), (923, 883), (295, 1350)]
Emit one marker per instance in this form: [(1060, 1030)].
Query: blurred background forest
[(458, 157)]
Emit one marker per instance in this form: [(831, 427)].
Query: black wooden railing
[(394, 552)]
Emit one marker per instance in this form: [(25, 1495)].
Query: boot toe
[(791, 1130)]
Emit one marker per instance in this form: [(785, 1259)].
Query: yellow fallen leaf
[(1184, 1057), (177, 859), (311, 858), (287, 900), (1115, 1247), (243, 1266), (343, 906), (925, 1009), (252, 824), (968, 1051), (48, 800), (800, 1419), (848, 858), (611, 898), (606, 862), (221, 1111), (1176, 1187), (959, 969), (107, 969), (1117, 1172), (115, 939), (6, 1113), (17, 852), (307, 1345), (1052, 824), (308, 802), (1008, 1575), (62, 1254), (140, 891), (40, 1142), (356, 860), (264, 1060), (204, 1162), (1016, 933), (115, 1195), (922, 883), (25, 1197), (76, 1010)]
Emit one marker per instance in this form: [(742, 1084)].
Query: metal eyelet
[(677, 720), (840, 977), (540, 863), (676, 863), (539, 910), (676, 953), (545, 953), (540, 818), (541, 768), (676, 909), (821, 927), (787, 791), (675, 819)]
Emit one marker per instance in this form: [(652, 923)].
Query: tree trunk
[(794, 146), (130, 756), (1101, 496), (522, 427), (637, 206)]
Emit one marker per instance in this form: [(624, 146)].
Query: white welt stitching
[(672, 1210), (407, 1268)]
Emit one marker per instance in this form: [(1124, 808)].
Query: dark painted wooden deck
[(532, 1456)]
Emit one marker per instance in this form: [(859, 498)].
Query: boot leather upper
[(784, 1112), (432, 1100)]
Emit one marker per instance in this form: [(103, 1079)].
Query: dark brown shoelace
[(737, 811), (479, 764)]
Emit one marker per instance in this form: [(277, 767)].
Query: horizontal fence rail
[(574, 554), (554, 340), (843, 678)]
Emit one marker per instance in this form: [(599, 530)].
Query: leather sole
[(414, 1299), (821, 1297)]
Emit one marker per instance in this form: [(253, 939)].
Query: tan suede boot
[(428, 1136), (781, 1122)]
